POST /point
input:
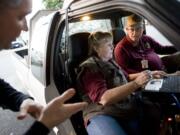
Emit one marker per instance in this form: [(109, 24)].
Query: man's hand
[(57, 111), (29, 106)]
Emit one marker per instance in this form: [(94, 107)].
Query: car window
[(90, 26), (155, 34), (86, 26)]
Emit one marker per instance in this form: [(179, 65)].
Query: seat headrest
[(78, 46), (118, 34)]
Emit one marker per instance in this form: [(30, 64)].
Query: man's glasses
[(134, 28)]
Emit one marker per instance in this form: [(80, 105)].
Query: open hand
[(57, 111)]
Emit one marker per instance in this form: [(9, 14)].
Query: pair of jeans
[(108, 125)]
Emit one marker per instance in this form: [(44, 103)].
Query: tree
[(53, 4)]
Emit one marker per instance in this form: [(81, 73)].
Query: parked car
[(16, 44), (58, 44)]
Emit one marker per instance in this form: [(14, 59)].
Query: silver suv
[(55, 48)]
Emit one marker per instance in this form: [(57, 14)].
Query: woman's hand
[(158, 74), (142, 78), (177, 73)]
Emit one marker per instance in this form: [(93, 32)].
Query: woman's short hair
[(97, 38)]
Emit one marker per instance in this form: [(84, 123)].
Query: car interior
[(70, 52)]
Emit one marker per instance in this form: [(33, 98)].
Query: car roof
[(155, 11)]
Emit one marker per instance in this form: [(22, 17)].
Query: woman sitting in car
[(113, 106)]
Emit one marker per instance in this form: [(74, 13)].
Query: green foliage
[(53, 4)]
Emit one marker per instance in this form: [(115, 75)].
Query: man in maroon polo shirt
[(137, 52)]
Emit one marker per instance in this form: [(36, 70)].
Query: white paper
[(154, 85)]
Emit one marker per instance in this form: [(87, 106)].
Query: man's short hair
[(9, 3), (133, 20)]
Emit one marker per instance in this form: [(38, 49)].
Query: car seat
[(118, 35), (78, 52)]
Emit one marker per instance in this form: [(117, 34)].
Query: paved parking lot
[(9, 125)]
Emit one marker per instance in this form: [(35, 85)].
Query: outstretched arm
[(55, 113)]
